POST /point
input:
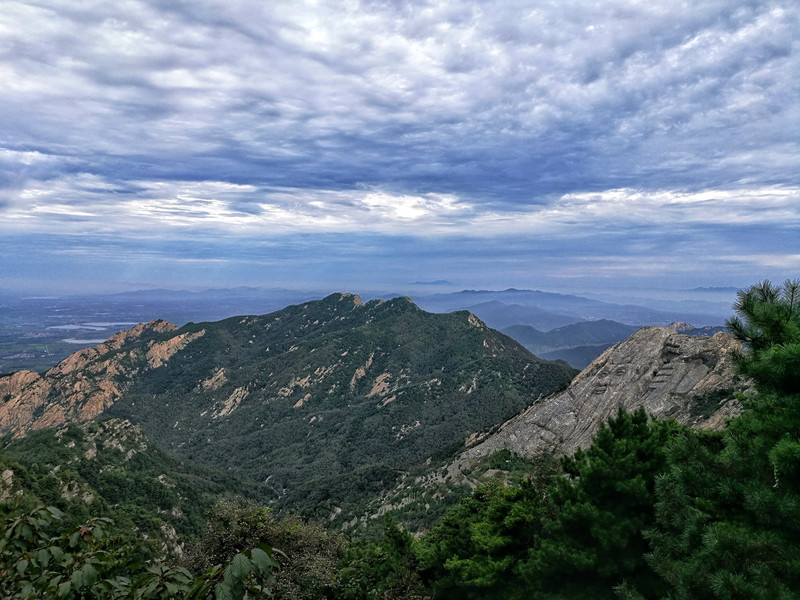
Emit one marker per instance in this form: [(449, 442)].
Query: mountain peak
[(679, 326), (345, 297)]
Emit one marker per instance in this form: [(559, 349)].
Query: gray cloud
[(456, 116)]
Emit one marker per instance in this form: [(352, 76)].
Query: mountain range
[(548, 310), (37, 332), (345, 410), (326, 403)]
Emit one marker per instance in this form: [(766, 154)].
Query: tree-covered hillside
[(111, 468), (329, 401)]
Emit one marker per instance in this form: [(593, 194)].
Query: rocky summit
[(669, 374)]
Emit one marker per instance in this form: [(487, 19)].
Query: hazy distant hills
[(326, 402), (576, 334), (577, 343), (500, 315), (37, 332), (547, 310), (568, 327)]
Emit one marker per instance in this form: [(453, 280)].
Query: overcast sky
[(342, 144)]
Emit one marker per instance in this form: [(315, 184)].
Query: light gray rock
[(656, 368)]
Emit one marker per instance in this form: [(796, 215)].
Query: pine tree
[(768, 323), (729, 505), (595, 543), (476, 551)]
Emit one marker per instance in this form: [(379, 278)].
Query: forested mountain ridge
[(328, 401)]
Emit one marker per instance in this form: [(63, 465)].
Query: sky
[(547, 144)]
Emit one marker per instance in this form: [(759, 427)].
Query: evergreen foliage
[(478, 548), (575, 533), (386, 568), (606, 499), (768, 323), (728, 506)]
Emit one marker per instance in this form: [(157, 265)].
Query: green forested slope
[(112, 468), (329, 401)]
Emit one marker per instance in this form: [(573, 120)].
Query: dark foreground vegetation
[(650, 510)]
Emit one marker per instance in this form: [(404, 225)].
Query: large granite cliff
[(669, 374)]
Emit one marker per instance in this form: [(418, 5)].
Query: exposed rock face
[(81, 358), (85, 383), (680, 326), (21, 394), (667, 373)]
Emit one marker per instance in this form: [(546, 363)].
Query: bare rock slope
[(669, 374), (85, 383)]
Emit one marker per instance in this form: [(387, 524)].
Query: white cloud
[(157, 206)]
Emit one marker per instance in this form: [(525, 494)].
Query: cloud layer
[(604, 137)]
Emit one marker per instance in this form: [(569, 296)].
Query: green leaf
[(77, 580), (89, 575), (223, 592), (57, 553), (56, 512), (26, 589), (42, 557), (263, 561), (174, 588), (239, 568), (21, 566)]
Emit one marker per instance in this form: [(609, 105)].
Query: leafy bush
[(38, 560)]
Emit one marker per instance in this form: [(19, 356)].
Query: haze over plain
[(556, 145)]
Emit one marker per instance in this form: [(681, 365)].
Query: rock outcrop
[(85, 383), (669, 374)]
